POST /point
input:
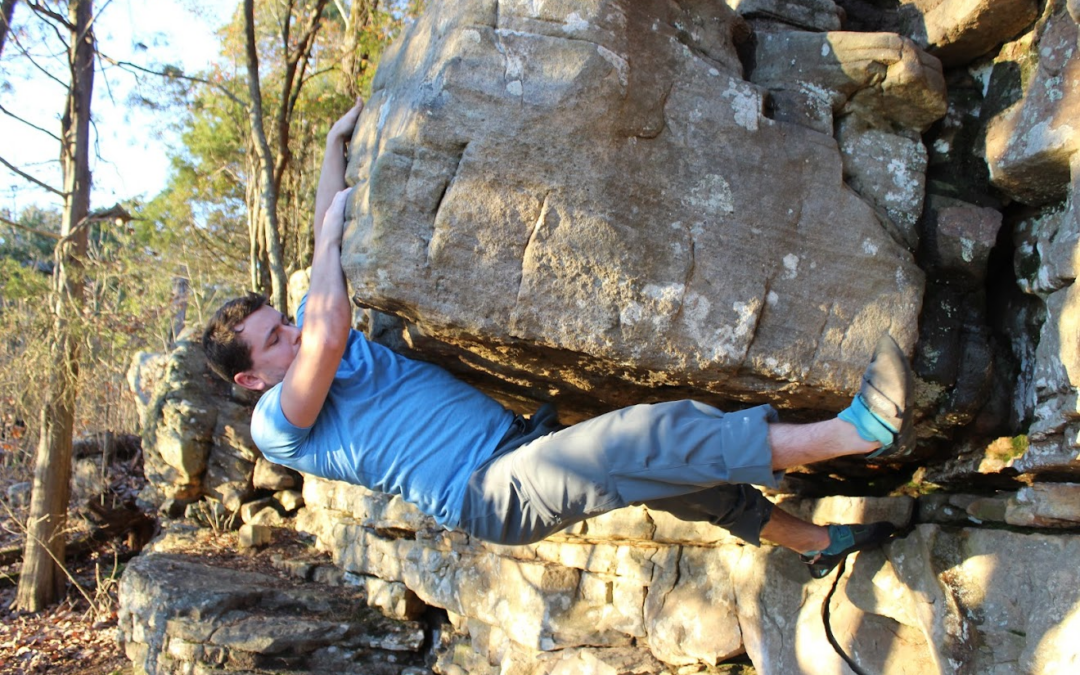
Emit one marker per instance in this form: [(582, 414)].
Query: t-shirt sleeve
[(300, 310), (275, 435)]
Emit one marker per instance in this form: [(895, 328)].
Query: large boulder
[(637, 227), (1036, 80), (182, 614), (1047, 255), (955, 31)]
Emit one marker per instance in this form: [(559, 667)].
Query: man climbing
[(338, 406)]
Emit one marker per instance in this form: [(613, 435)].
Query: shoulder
[(271, 430)]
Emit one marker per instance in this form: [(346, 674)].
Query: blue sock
[(870, 426), (840, 537)]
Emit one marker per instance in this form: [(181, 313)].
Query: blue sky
[(131, 142)]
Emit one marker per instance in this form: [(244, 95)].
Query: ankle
[(848, 437), (869, 426), (818, 542)]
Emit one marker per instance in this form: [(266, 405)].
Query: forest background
[(82, 294)]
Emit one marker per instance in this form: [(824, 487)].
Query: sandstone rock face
[(590, 273), (955, 31), (805, 14), (181, 615), (1046, 258), (1029, 143), (663, 594), (959, 31), (197, 436)]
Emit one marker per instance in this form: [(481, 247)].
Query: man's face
[(274, 343)]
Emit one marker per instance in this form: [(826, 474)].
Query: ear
[(249, 381)]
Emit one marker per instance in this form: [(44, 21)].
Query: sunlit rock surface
[(590, 204)]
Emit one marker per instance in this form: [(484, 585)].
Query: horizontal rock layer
[(679, 594)]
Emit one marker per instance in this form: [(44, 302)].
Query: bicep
[(308, 381)]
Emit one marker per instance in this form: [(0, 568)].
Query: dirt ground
[(70, 637), (78, 634)]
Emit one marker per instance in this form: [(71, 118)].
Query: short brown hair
[(226, 353)]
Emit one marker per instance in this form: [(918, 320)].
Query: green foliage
[(1019, 446), (26, 245), (127, 308), (19, 281), (206, 205)]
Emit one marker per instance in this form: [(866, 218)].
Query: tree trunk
[(43, 579), (7, 12), (357, 57), (267, 194), (254, 223)]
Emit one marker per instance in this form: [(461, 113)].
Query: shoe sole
[(889, 361)]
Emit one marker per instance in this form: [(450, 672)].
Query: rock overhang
[(610, 190)]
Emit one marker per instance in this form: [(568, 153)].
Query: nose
[(293, 334)]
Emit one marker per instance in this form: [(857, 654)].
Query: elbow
[(325, 339), (327, 344)]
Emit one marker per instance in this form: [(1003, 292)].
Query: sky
[(129, 155)]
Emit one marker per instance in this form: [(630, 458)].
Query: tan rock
[(268, 516), (882, 78), (847, 510), (961, 237), (252, 535), (597, 290), (889, 171), (270, 476), (290, 500), (959, 31), (249, 509), (1045, 505), (393, 599), (1030, 143)]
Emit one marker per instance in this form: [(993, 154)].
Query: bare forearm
[(325, 334), (332, 175), (331, 179), (328, 315)]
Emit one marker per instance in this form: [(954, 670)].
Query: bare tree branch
[(16, 170), (223, 255), (343, 13), (295, 66), (45, 11), (320, 72), (113, 213), (175, 74), (90, 26), (26, 53), (27, 228), (29, 124)]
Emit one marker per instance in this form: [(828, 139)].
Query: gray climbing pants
[(683, 457)]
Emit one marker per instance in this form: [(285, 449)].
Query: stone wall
[(642, 588)]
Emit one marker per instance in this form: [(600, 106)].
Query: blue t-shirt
[(390, 424)]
